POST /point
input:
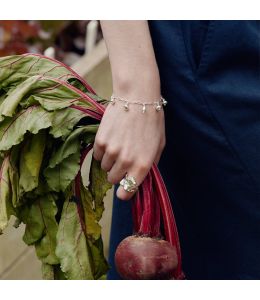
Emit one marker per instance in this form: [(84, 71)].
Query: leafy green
[(12, 130), (98, 187), (64, 163), (48, 116), (5, 194), (30, 162), (11, 102), (47, 271), (64, 121), (42, 227), (72, 248)]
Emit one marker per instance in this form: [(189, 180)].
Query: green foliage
[(43, 131)]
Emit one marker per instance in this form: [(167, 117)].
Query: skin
[(130, 142)]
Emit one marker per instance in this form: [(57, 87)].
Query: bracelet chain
[(158, 105)]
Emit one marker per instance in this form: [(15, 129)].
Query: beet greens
[(48, 120), (49, 116)]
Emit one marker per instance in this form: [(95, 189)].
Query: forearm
[(134, 69)]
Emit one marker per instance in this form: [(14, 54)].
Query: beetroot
[(153, 251), (145, 258)]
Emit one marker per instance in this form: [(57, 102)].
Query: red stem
[(137, 210), (170, 227), (150, 223), (157, 215), (89, 112), (85, 97), (77, 188), (147, 217)]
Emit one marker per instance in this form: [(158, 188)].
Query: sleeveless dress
[(210, 76)]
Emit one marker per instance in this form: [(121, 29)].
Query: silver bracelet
[(158, 104)]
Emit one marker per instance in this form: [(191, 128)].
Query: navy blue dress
[(210, 76)]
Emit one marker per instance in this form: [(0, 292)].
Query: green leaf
[(64, 121), (5, 194), (52, 272), (72, 249), (98, 186), (42, 227), (17, 68), (9, 105), (30, 162), (71, 144), (64, 163), (14, 176), (54, 95), (12, 130), (47, 272), (93, 229), (100, 265), (60, 176)]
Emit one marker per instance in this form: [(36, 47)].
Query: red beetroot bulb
[(139, 257)]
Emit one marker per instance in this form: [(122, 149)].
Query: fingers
[(98, 149), (108, 159), (119, 170)]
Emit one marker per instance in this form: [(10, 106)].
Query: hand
[(129, 142)]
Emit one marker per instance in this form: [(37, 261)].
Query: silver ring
[(129, 184)]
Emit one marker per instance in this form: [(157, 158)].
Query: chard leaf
[(42, 227), (12, 130), (5, 194), (98, 186), (72, 249), (30, 162)]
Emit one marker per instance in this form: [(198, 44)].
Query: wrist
[(142, 86)]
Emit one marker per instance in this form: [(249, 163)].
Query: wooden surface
[(17, 260)]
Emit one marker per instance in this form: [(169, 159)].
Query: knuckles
[(126, 162), (112, 152), (100, 143)]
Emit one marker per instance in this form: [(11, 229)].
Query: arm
[(129, 142), (131, 57)]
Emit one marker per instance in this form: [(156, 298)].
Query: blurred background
[(80, 45)]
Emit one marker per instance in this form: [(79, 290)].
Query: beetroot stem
[(157, 217), (170, 227), (77, 188), (148, 225)]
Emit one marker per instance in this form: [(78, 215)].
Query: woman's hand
[(129, 142)]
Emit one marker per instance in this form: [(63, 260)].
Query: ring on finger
[(129, 184)]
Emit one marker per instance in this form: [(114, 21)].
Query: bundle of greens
[(48, 119)]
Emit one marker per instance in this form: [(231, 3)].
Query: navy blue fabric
[(210, 76)]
